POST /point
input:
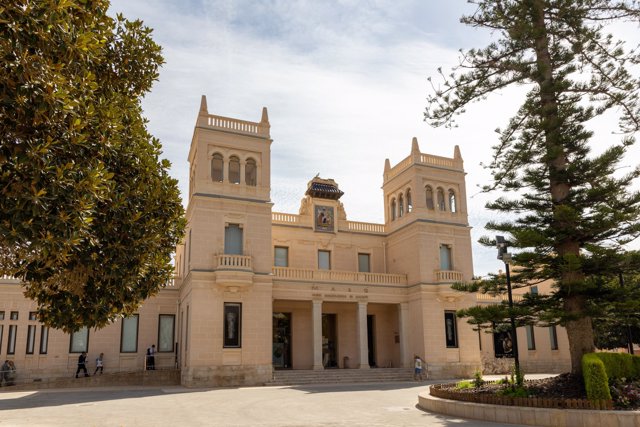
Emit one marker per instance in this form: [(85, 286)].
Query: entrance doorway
[(371, 339), (329, 340), (281, 358)]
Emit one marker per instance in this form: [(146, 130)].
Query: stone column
[(362, 336), (316, 322), (403, 331)]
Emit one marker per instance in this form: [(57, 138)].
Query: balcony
[(448, 276), (496, 299), (233, 262), (304, 274)]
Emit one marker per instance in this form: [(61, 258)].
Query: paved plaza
[(371, 405)]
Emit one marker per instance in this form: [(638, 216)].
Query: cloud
[(345, 83)]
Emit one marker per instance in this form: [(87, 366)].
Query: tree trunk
[(580, 332)]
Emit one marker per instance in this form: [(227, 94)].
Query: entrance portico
[(328, 334)]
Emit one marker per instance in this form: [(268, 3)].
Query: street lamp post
[(505, 256)]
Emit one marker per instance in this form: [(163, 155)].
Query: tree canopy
[(89, 217), (572, 210)]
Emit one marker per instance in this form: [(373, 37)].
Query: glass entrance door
[(281, 341), (329, 340)]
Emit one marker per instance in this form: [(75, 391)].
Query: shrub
[(595, 377), (618, 365), (514, 392), (462, 385), (477, 379)]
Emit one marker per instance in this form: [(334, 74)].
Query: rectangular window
[(232, 324), (129, 334), (450, 329), (14, 315), (324, 260), (31, 338), (363, 263), (166, 325), (44, 339), (531, 338), (1, 315), (233, 239), (1, 335), (553, 336), (33, 315), (79, 341), (11, 343), (534, 290), (445, 258), (281, 256)]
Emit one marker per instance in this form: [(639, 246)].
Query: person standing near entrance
[(82, 364), (151, 358), (417, 368)]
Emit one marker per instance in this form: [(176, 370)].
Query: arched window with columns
[(409, 201), (429, 196), (217, 167), (400, 206), (392, 209), (441, 202), (234, 170), (250, 172), (452, 202)]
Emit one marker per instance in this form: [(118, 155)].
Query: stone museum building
[(257, 290)]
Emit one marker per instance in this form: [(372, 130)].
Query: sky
[(345, 84)]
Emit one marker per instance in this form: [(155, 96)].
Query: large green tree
[(570, 209), (89, 216)]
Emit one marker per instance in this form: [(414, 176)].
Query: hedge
[(620, 365), (595, 377)]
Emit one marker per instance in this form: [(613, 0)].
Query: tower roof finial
[(415, 149), (456, 153), (203, 105), (265, 116)]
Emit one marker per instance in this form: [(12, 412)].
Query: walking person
[(99, 364), (82, 364), (417, 368)]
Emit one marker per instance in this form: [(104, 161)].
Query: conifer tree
[(571, 210)]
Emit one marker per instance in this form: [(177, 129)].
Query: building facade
[(257, 290)]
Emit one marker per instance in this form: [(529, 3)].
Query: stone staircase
[(159, 377), (340, 376)]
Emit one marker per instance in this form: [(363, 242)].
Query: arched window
[(452, 201), (217, 167), (409, 201), (234, 170), (393, 209), (400, 206), (250, 173), (441, 203), (429, 196)]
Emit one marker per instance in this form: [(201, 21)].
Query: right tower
[(429, 240)]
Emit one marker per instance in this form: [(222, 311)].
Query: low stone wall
[(544, 417), (226, 376)]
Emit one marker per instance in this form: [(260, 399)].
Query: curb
[(543, 417)]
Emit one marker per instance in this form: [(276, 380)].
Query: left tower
[(225, 310)]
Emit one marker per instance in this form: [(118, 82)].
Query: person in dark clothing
[(82, 364)]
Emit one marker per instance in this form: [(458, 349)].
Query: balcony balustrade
[(305, 274), (233, 262), (448, 276)]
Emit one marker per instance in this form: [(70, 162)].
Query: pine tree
[(572, 210)]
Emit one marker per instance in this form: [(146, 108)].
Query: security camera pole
[(505, 256)]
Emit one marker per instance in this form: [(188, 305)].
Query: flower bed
[(449, 391)]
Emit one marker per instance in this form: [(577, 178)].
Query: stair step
[(328, 376)]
